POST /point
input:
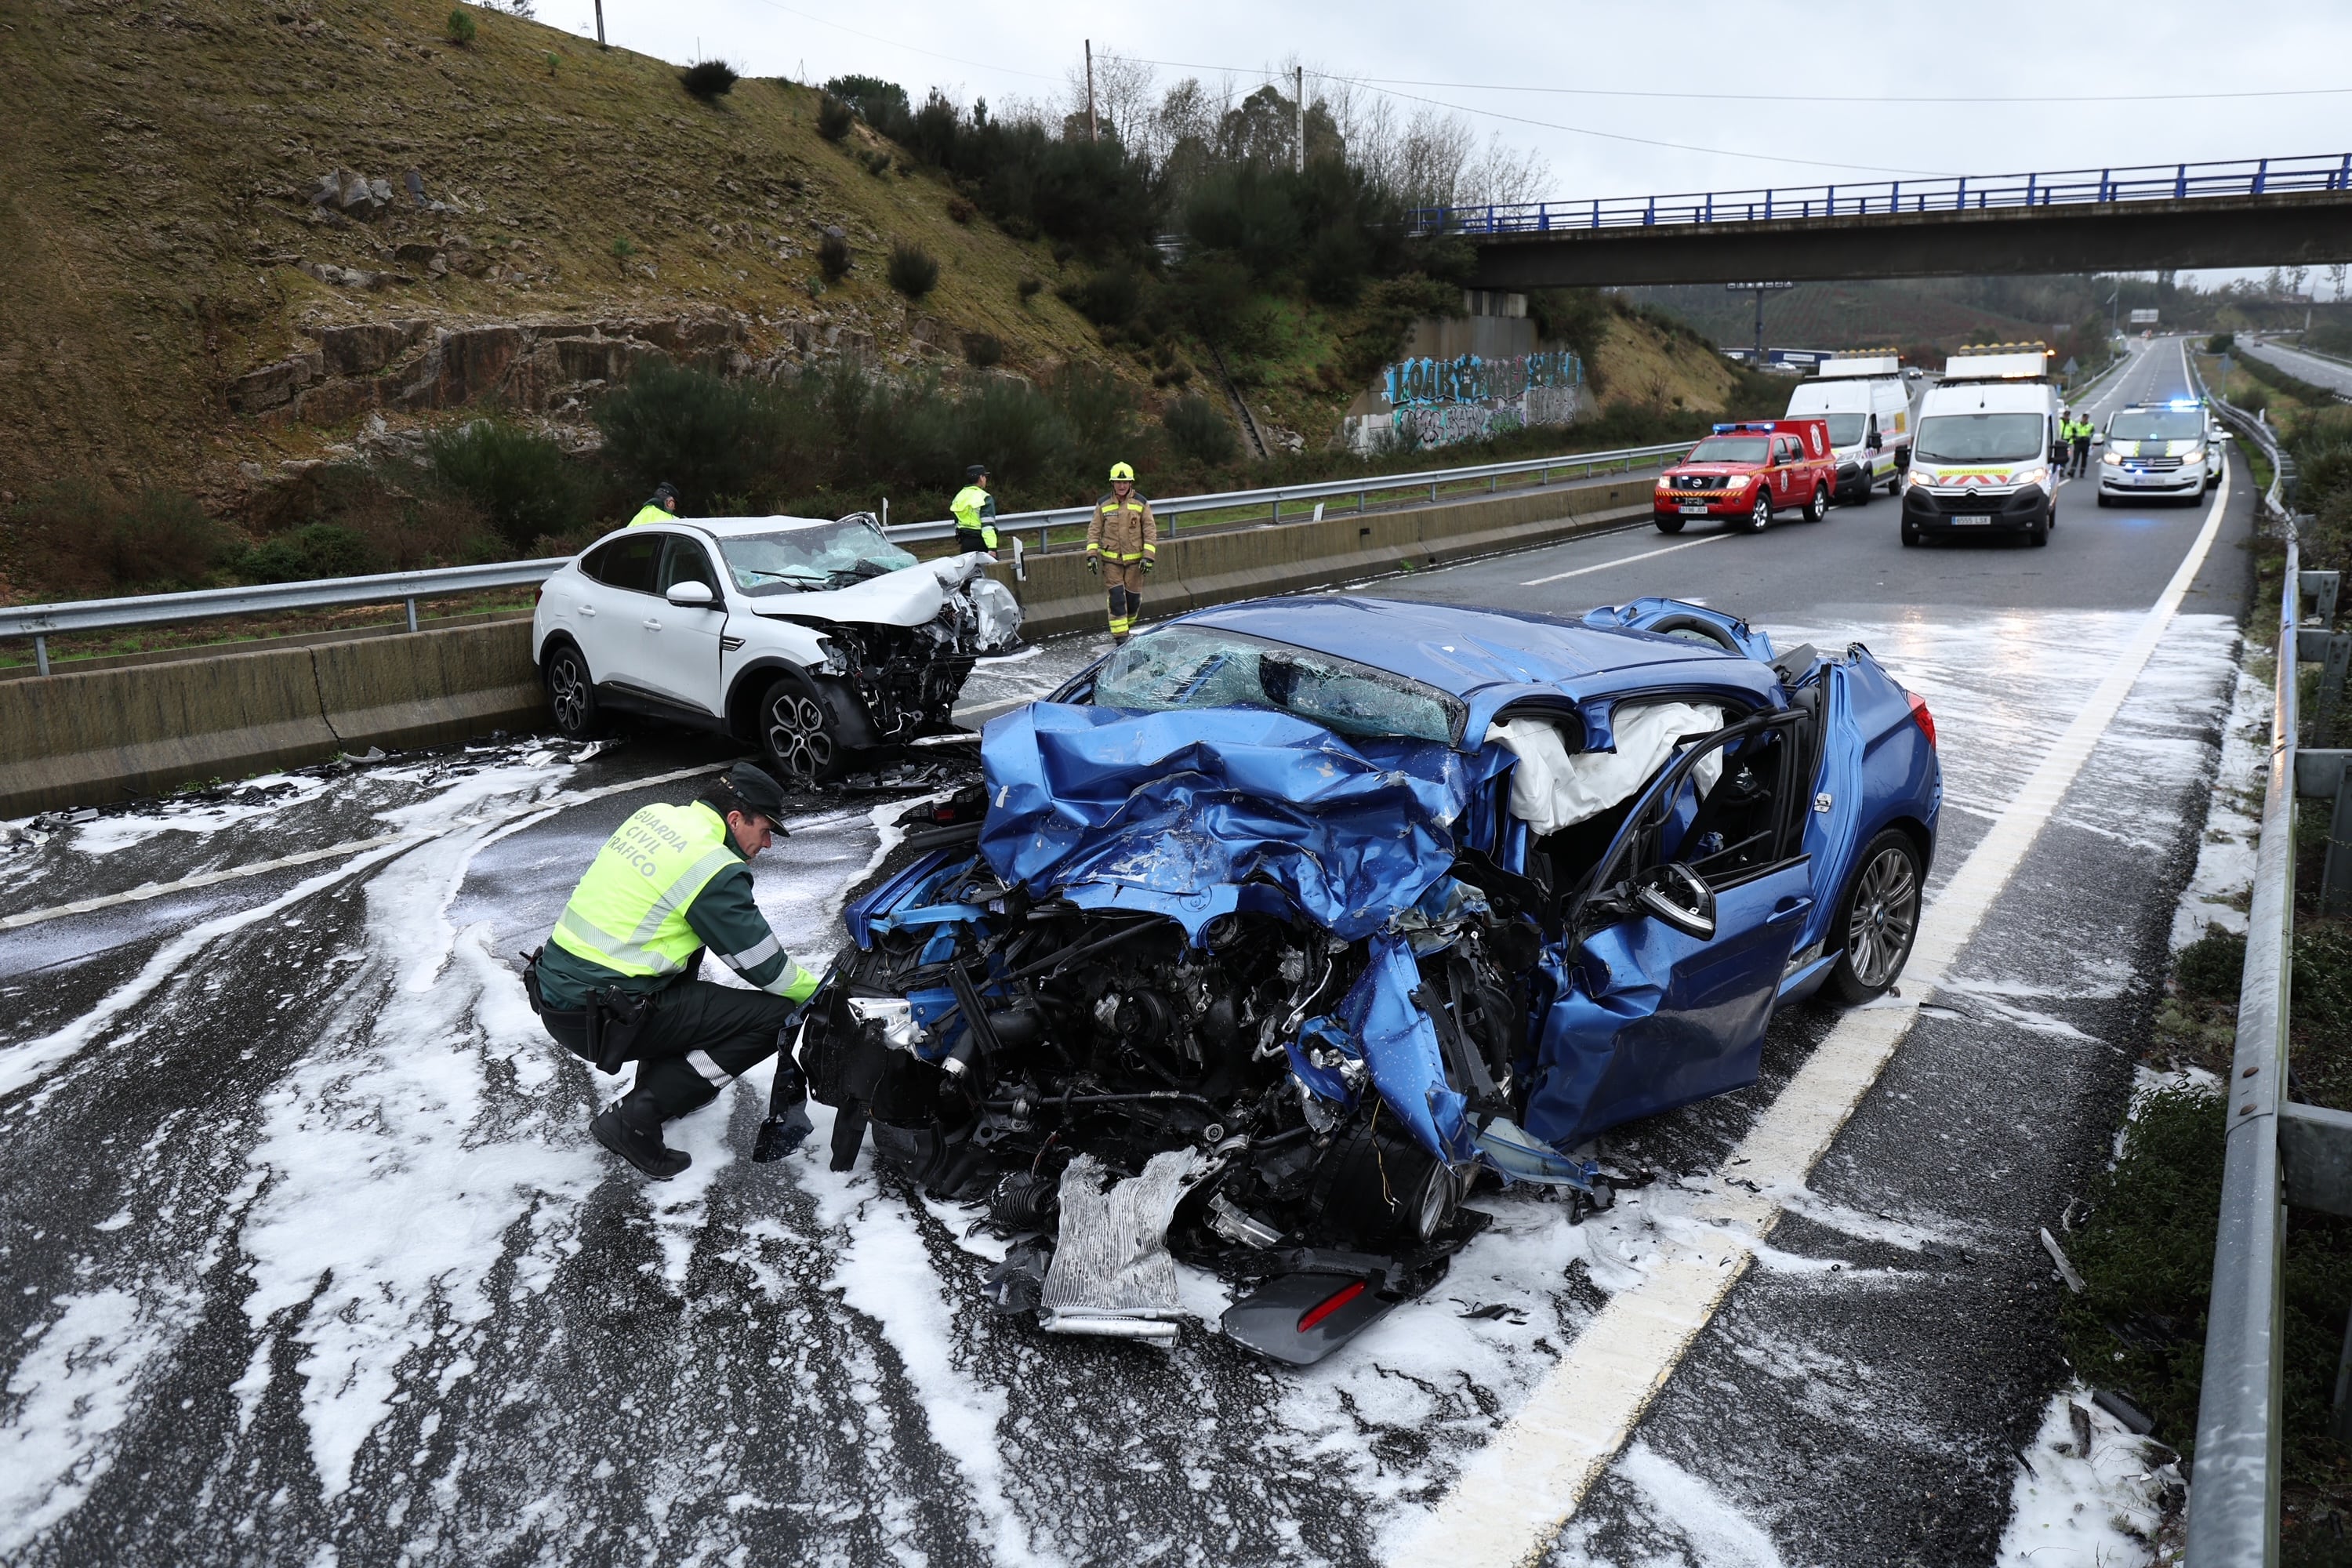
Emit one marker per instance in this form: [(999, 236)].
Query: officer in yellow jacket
[(616, 982), (1122, 543), (663, 508), (975, 512)]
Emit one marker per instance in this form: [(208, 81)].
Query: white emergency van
[(1868, 407), (1981, 456)]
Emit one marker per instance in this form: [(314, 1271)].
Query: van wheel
[(800, 734), (571, 695), (2038, 535), (1669, 524), (1910, 536), (1895, 485), (1760, 516), (1818, 507)]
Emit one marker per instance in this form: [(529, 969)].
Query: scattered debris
[(2138, 1420), (2058, 1256)]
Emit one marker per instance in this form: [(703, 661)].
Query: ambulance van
[(1868, 406), (1980, 455)]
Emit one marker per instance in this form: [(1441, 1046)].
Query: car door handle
[(652, 625), (1788, 909), (588, 611)]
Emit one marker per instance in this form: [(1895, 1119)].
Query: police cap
[(759, 792)]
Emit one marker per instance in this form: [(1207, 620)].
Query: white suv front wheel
[(799, 732)]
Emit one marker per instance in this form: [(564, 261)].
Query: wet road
[(310, 1260), (2332, 374)]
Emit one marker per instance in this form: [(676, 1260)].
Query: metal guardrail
[(2277, 1151), (2143, 182), (41, 622), (1581, 465)]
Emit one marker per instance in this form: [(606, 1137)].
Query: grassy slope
[(149, 210)]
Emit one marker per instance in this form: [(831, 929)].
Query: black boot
[(620, 1129)]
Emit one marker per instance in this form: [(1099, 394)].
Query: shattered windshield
[(1732, 449), (811, 555), (1978, 438), (2157, 425), (1195, 667)]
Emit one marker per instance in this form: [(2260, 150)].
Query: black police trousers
[(696, 1038)]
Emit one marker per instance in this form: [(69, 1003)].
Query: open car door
[(1678, 939)]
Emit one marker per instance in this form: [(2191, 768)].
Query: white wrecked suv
[(817, 640)]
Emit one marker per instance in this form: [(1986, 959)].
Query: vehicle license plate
[(1694, 509), (1973, 518)]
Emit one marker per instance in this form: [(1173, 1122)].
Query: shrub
[(462, 27), (708, 80), (1029, 288), (877, 163), (313, 550), (2211, 967), (712, 437), (881, 104), (833, 256), (960, 210), (521, 480), (982, 349), (2220, 342), (81, 538), (834, 117), (1199, 432), (1108, 299), (912, 271)]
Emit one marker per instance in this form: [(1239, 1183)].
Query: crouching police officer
[(615, 981)]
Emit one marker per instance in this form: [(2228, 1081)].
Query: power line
[(1820, 101)]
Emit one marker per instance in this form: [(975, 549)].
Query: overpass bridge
[(2247, 213)]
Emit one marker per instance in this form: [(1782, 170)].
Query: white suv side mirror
[(691, 595)]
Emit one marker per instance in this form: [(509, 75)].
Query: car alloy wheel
[(797, 732), (570, 694), (1760, 516), (1818, 507), (1882, 916)]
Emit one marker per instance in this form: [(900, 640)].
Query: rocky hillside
[(240, 235)]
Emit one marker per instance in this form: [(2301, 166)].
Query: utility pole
[(600, 24), (1298, 151), (1094, 133)]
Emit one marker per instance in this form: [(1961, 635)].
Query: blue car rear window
[(1195, 667)]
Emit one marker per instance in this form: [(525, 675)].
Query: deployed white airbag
[(1552, 789)]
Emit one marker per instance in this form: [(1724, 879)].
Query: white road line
[(1511, 1501), (1624, 561), (332, 852)]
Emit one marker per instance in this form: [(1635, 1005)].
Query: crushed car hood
[(1180, 813), (907, 597)]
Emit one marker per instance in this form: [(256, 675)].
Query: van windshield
[(2157, 425), (1846, 429), (1978, 438)]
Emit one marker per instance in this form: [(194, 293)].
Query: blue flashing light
[(2186, 403)]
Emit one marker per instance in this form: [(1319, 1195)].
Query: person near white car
[(817, 640)]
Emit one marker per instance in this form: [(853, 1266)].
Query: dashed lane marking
[(1624, 561), (1512, 1498)]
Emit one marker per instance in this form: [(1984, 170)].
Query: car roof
[(1469, 651)]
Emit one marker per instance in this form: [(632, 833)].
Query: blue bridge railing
[(2146, 183)]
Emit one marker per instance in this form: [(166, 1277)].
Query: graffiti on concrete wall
[(1442, 402)]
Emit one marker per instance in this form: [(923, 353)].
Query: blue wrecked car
[(1266, 937)]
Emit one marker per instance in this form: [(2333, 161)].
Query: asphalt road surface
[(312, 1261), (2334, 374)]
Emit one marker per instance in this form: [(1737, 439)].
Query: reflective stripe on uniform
[(758, 953), (603, 945), (641, 880), (712, 1073), (682, 891)]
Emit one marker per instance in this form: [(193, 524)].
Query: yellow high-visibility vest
[(628, 913)]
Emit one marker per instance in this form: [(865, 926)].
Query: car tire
[(2038, 535), (1760, 516), (1818, 507), (1669, 524), (2103, 502), (1876, 934), (1895, 485), (800, 733), (1910, 536), (1862, 497), (571, 694)]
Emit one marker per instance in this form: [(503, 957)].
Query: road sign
[(2143, 318)]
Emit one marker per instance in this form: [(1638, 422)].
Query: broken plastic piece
[(1112, 1274)]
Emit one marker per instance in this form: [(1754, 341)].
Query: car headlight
[(2114, 457), (838, 660), (2194, 455), (1665, 484), (2033, 476)]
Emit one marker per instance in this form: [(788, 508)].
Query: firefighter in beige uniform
[(1120, 545)]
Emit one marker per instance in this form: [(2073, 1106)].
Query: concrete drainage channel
[(92, 737)]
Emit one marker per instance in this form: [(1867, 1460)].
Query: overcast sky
[(2124, 82)]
